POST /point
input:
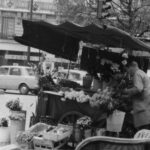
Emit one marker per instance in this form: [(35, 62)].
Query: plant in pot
[(4, 132), (17, 118)]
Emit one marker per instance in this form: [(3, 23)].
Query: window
[(30, 72), (15, 71), (8, 27), (74, 76), (4, 71)]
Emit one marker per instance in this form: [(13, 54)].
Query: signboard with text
[(21, 57)]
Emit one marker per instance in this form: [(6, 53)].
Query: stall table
[(50, 104)]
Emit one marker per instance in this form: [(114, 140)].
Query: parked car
[(74, 75), (18, 78)]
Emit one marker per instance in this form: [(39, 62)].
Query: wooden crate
[(43, 144)]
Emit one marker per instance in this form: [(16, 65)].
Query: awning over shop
[(13, 46), (63, 40)]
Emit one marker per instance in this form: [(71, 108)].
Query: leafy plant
[(3, 122), (104, 99), (25, 137), (14, 105)]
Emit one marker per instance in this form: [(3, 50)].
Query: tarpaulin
[(63, 40), (48, 38)]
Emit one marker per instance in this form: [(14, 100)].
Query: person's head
[(133, 67)]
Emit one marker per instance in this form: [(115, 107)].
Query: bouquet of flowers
[(79, 96), (14, 105), (84, 122), (25, 139), (3, 122), (104, 99), (16, 110)]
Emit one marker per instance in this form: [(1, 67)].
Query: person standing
[(140, 96), (42, 65)]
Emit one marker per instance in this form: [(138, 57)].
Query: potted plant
[(17, 118), (4, 132), (84, 124)]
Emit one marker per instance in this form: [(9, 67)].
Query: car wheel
[(23, 88)]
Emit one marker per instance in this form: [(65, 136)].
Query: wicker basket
[(43, 144)]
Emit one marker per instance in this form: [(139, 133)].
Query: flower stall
[(97, 108)]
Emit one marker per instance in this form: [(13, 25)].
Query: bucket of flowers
[(17, 118), (85, 123), (106, 100), (4, 132), (15, 108)]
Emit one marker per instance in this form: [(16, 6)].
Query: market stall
[(101, 103), (56, 108)]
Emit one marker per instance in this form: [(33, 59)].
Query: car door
[(14, 79), (4, 77)]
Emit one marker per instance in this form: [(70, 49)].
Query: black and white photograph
[(74, 74)]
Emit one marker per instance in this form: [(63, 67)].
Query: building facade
[(12, 12)]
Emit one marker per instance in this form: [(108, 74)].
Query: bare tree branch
[(146, 30)]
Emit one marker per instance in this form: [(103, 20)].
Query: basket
[(44, 144), (115, 121), (56, 137)]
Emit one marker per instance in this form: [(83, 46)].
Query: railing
[(25, 5)]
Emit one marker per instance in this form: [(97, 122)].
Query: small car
[(74, 75), (20, 78)]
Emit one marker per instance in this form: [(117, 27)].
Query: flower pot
[(4, 136), (17, 124), (115, 121)]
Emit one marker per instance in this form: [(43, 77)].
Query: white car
[(74, 75), (18, 78)]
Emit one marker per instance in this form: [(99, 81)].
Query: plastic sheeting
[(63, 40)]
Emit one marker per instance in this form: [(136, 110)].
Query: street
[(28, 102)]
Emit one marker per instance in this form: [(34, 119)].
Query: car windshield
[(30, 72), (62, 75), (74, 76)]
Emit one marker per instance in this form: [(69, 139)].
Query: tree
[(77, 11), (127, 15), (131, 16)]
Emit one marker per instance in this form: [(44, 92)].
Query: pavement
[(28, 102)]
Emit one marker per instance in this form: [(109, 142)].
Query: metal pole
[(31, 15), (69, 64), (99, 8)]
